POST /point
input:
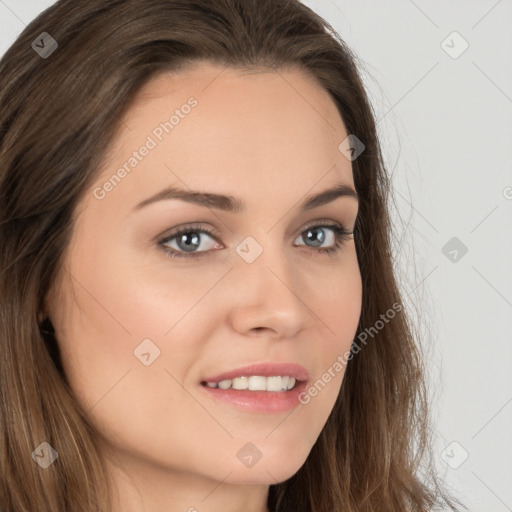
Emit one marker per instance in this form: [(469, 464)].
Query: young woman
[(198, 304)]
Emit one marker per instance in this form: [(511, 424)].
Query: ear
[(43, 312), (42, 315)]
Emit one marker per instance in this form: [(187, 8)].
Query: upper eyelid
[(337, 227), (213, 232)]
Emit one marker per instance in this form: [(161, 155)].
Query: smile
[(255, 383)]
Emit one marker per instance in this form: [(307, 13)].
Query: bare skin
[(270, 140)]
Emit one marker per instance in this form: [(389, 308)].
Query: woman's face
[(140, 331)]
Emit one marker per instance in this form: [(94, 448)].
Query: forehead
[(259, 101), (228, 85), (230, 128)]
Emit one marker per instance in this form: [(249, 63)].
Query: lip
[(296, 371), (266, 402), (260, 401)]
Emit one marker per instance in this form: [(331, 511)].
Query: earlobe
[(46, 326), (43, 313), (41, 317)]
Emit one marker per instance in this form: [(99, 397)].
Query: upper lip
[(296, 371)]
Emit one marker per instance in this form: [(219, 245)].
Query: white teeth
[(256, 383), (274, 383), (240, 383), (224, 384)]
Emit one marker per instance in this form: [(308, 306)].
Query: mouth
[(262, 388), (275, 383)]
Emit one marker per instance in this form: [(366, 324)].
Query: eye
[(338, 236), (189, 239)]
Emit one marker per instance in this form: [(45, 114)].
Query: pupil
[(315, 238), (195, 239)]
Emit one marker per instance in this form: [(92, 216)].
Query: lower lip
[(259, 401)]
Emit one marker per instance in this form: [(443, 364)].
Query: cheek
[(129, 332), (337, 304), (118, 331), (338, 309), (132, 398)]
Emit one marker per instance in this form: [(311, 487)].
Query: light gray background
[(445, 124)]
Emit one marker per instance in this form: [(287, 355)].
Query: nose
[(268, 296)]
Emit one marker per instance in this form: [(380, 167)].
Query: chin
[(265, 475), (270, 469)]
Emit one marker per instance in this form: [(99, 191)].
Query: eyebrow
[(231, 204)]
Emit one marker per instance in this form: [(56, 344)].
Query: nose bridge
[(263, 254), (265, 280)]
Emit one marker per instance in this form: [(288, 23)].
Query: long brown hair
[(59, 112)]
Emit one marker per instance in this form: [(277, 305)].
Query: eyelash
[(340, 233)]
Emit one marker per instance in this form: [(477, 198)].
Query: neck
[(141, 486)]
